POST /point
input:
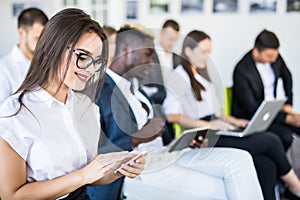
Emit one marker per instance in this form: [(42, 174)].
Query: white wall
[(232, 34), (8, 23)]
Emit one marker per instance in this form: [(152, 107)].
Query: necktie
[(144, 105)]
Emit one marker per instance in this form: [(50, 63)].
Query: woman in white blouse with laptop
[(48, 133)]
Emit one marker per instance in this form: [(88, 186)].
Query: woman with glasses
[(190, 102), (49, 132)]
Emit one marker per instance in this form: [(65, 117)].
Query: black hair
[(30, 16), (128, 35), (266, 40), (171, 23)]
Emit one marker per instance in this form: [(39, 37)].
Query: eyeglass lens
[(84, 61)]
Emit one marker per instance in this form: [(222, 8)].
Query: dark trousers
[(267, 175), (285, 133), (79, 194)]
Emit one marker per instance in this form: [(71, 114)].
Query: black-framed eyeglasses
[(84, 61)]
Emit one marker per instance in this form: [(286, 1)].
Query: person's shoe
[(289, 195)]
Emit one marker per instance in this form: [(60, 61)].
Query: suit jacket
[(114, 112), (115, 133), (155, 79), (248, 89)]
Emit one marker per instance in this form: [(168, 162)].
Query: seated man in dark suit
[(128, 122), (255, 78)]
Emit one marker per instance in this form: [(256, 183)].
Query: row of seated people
[(191, 101)]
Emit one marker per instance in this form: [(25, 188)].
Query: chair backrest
[(178, 129), (228, 100)]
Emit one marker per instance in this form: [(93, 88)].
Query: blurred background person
[(15, 65), (165, 60)]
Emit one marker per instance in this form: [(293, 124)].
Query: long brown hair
[(192, 41), (61, 32)]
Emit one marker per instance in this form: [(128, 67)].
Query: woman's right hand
[(98, 168)]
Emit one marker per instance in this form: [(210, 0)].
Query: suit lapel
[(118, 99), (256, 79), (176, 60)]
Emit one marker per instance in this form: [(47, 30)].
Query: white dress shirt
[(268, 78), (165, 61), (14, 67), (53, 138), (134, 101), (180, 98)]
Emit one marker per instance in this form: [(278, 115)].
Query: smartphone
[(131, 160)]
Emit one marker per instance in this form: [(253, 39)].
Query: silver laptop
[(260, 121)]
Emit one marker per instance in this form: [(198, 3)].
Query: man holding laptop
[(255, 79)]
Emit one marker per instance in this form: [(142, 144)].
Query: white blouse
[(53, 138), (180, 98)]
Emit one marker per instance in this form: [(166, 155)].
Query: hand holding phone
[(133, 159)]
